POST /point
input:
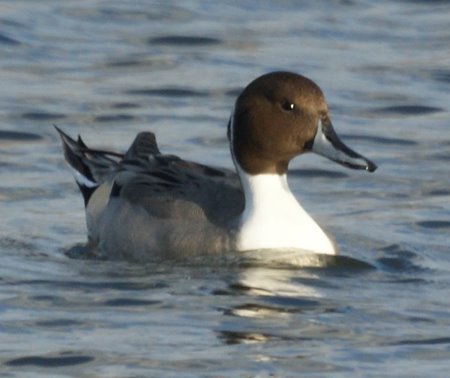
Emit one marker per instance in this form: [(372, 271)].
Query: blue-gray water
[(109, 69)]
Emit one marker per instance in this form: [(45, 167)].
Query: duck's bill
[(327, 143)]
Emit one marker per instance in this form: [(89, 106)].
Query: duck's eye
[(288, 106)]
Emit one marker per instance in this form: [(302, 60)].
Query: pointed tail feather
[(90, 167)]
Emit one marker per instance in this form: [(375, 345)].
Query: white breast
[(273, 218)]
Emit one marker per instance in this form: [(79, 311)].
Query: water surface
[(110, 69)]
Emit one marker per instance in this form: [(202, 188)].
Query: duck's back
[(152, 205)]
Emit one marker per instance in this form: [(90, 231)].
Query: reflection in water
[(275, 291), (275, 282), (290, 273), (257, 309), (235, 337)]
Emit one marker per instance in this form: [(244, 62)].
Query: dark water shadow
[(433, 341), (441, 75), (184, 41), (317, 173), (23, 247), (83, 251), (19, 136), (5, 40), (56, 323), (130, 302), (114, 118), (50, 362), (125, 105), (42, 116), (229, 337), (434, 224), (400, 260), (440, 156), (103, 282), (234, 337), (435, 192), (406, 110)]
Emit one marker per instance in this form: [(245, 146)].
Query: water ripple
[(50, 362), (114, 118), (244, 337), (434, 224), (92, 286), (399, 259), (19, 136), (435, 341), (42, 116), (5, 40), (63, 323), (181, 40), (126, 302), (441, 75), (407, 110), (125, 105), (317, 173)]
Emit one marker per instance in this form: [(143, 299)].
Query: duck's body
[(144, 205)]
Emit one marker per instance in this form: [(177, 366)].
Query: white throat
[(273, 218)]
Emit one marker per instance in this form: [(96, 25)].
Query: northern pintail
[(144, 205)]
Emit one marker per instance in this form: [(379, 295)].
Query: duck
[(144, 205)]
